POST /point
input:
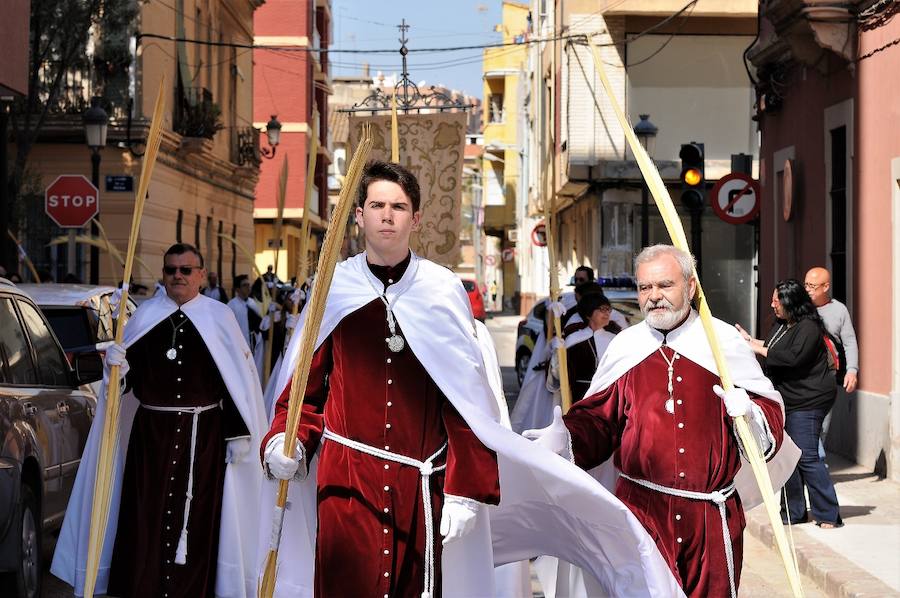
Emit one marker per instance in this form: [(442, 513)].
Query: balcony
[(245, 149), (195, 114), (69, 92)]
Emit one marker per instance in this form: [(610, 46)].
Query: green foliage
[(199, 120)]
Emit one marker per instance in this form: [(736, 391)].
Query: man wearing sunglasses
[(191, 409)]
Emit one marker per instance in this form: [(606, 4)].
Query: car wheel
[(28, 573), (522, 359)]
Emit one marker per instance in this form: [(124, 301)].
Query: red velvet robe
[(695, 449), (371, 532)]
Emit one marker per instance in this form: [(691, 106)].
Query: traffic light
[(693, 179)]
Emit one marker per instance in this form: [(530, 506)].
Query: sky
[(369, 24)]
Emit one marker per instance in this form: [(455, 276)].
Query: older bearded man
[(655, 407)]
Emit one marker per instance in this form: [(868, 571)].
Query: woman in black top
[(796, 361)]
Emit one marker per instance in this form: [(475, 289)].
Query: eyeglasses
[(185, 270), (605, 309), (809, 286)]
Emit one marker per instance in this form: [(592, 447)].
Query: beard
[(670, 316)]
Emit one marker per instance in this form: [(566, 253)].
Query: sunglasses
[(185, 270)]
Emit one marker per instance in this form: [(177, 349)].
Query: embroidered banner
[(431, 147)]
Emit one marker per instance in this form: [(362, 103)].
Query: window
[(53, 369), (496, 108), (14, 349), (839, 216), (178, 222), (197, 232)]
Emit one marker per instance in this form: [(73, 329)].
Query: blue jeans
[(804, 427)]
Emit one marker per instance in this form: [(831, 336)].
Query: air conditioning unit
[(512, 235)]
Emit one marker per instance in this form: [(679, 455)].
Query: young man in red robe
[(656, 409), (400, 462)]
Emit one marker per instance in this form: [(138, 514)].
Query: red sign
[(71, 201), (735, 198)]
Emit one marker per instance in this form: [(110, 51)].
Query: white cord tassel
[(181, 551)]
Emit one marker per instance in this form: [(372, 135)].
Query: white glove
[(236, 450), (273, 307), (281, 467), (115, 355), (557, 308), (556, 343), (270, 284), (457, 517), (297, 296), (277, 316), (554, 437), (737, 402), (114, 300), (266, 322), (291, 322)]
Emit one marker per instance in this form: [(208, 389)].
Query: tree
[(60, 32)]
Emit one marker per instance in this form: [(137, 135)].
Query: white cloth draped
[(236, 568), (548, 506)]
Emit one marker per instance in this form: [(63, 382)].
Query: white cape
[(632, 346), (548, 505), (236, 569)]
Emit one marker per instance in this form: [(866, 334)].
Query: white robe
[(547, 505), (236, 563)]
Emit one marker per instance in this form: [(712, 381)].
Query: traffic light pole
[(697, 238), (645, 216)]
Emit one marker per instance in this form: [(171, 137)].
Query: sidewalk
[(863, 557)]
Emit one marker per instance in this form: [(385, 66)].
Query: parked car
[(46, 410), (475, 298), (80, 316), (622, 300)]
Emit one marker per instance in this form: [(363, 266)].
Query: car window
[(469, 285), (19, 367), (53, 368), (71, 326)]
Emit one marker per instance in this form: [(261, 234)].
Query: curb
[(830, 571)]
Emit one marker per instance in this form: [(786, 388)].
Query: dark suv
[(46, 409)]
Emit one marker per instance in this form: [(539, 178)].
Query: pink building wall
[(877, 142)]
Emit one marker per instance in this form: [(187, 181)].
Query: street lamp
[(96, 122), (273, 133), (646, 133)]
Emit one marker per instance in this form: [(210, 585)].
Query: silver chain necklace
[(777, 337), (171, 354), (394, 342)]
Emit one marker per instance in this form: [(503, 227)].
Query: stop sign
[(71, 201)]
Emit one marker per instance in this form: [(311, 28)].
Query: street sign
[(508, 254), (490, 260), (735, 198), (539, 235), (71, 201), (120, 183)]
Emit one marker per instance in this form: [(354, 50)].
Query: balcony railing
[(75, 88), (245, 150), (195, 114)]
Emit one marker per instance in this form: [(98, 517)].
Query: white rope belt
[(426, 468), (181, 551), (717, 497)]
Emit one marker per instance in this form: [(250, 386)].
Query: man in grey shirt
[(837, 323)]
